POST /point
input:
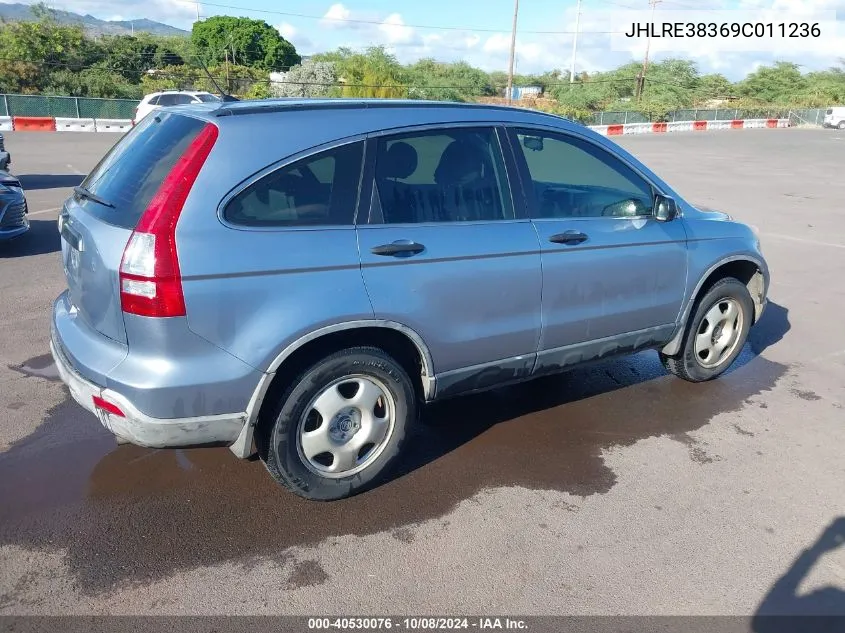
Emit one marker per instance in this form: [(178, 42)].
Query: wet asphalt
[(537, 498)]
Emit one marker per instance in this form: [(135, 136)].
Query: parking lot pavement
[(610, 490)]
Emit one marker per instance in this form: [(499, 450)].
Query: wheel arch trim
[(674, 344), (416, 339), (243, 445)]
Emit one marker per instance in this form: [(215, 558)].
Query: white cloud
[(287, 31), (395, 31), (335, 16), (497, 43)]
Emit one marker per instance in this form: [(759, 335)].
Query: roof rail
[(269, 106)]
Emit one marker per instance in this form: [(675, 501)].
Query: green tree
[(244, 42), (170, 78), (713, 86), (373, 73), (91, 82), (823, 88), (131, 56), (774, 84), (428, 79)]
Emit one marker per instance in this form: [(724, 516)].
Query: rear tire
[(716, 333), (340, 425)]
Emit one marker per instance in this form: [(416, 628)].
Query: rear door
[(94, 234), (613, 275), (444, 252)]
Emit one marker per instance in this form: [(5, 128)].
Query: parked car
[(5, 157), (13, 210), (834, 117), (369, 256), (156, 100)]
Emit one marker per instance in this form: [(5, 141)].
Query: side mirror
[(665, 208), (534, 143)]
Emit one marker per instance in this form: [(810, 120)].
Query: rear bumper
[(140, 429), (93, 366)]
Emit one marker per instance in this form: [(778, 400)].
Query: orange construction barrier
[(699, 126), (613, 130), (659, 127), (771, 123), (34, 124)]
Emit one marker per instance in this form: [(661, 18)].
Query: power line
[(433, 27)]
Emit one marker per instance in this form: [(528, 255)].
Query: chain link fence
[(813, 116), (71, 107)]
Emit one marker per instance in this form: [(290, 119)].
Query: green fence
[(72, 107)]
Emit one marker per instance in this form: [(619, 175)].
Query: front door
[(444, 253), (613, 275)]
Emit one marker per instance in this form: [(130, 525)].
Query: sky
[(479, 30)]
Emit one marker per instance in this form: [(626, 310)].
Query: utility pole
[(197, 5), (513, 50), (575, 43), (641, 78), (228, 85)]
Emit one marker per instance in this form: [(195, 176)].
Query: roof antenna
[(223, 96)]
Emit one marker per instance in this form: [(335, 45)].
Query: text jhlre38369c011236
[(721, 31), (734, 29)]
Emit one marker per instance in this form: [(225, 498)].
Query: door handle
[(401, 247), (569, 237)]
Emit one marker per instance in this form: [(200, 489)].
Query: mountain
[(23, 12)]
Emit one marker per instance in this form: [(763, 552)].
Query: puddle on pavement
[(129, 514)]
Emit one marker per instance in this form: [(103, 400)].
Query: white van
[(834, 117)]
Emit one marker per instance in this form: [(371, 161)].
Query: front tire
[(716, 333), (841, 125), (340, 425)]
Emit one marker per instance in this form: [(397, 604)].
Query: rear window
[(131, 173), (207, 98), (830, 111)]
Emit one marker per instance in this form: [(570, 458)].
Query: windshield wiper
[(93, 197)]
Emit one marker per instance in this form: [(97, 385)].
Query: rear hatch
[(98, 220)]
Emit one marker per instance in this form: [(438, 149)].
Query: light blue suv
[(301, 274)]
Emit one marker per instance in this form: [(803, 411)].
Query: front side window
[(573, 178), (449, 175), (321, 189)]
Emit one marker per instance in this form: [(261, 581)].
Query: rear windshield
[(131, 173), (830, 111), (207, 98)]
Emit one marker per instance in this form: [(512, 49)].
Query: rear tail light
[(150, 280)]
